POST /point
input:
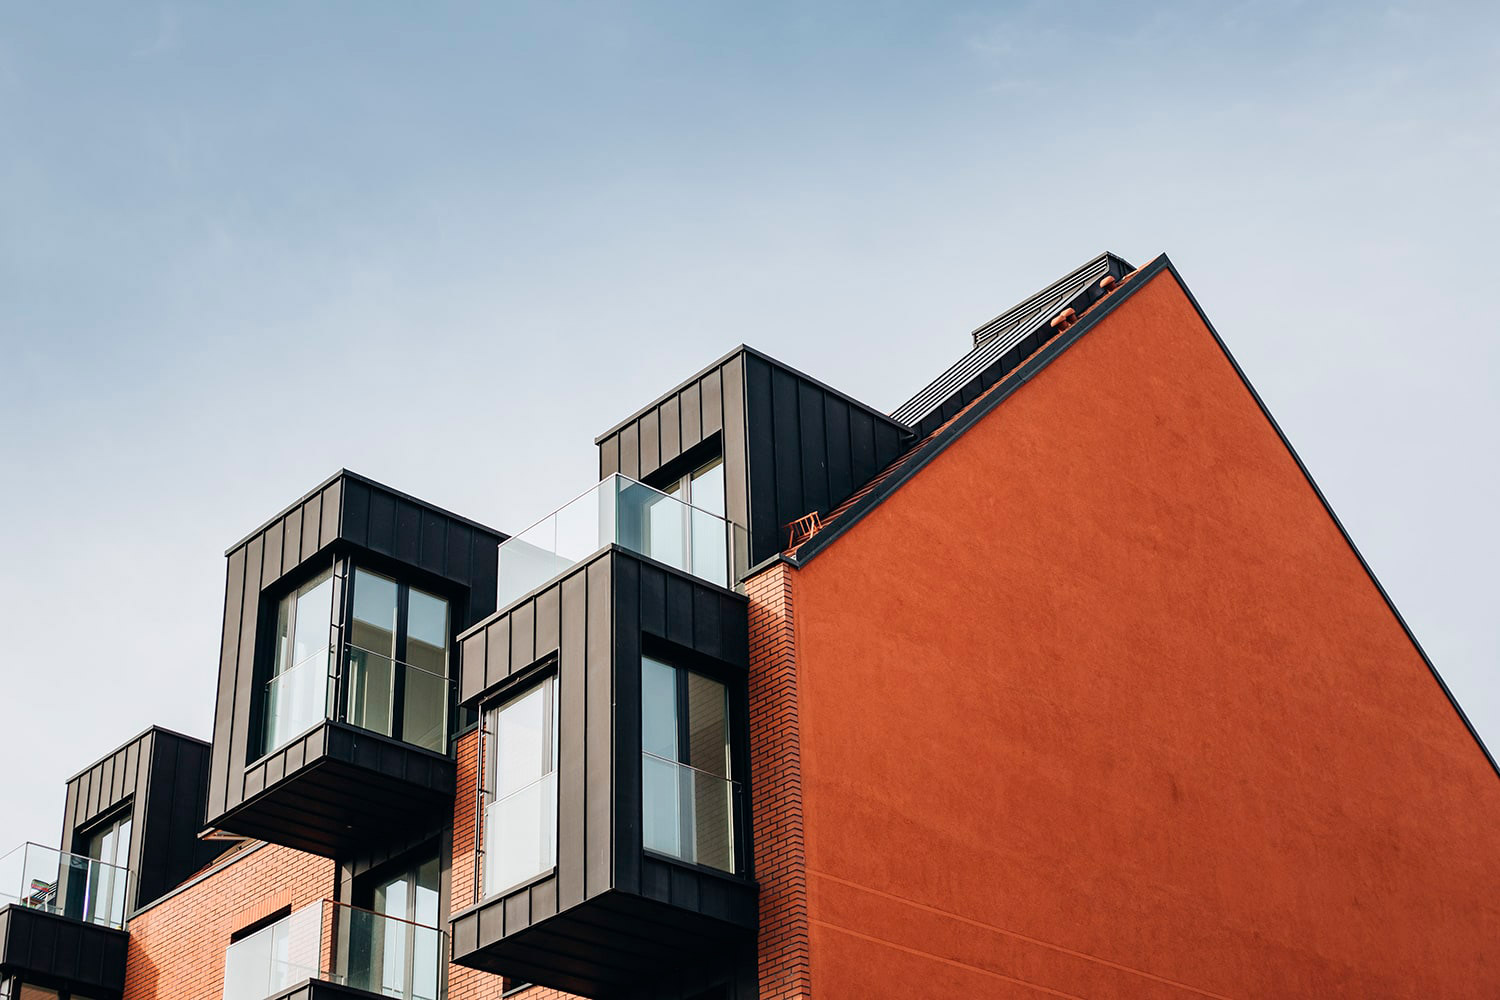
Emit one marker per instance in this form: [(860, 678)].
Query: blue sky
[(423, 225)]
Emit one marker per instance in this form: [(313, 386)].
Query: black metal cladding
[(610, 916), (60, 953), (161, 778), (791, 445), (1003, 343), (336, 782)]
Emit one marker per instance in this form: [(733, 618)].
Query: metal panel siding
[(626, 658), (838, 449), (220, 769), (548, 631), (471, 666), (814, 448), (382, 530), (291, 541), (408, 543), (356, 520), (630, 452), (691, 416), (712, 408), (650, 424), (271, 561), (244, 699), (764, 529), (599, 728), (312, 526), (786, 438), (497, 652), (609, 457), (332, 513), (522, 636), (456, 562), (433, 547), (572, 853), (670, 429), (736, 474), (1002, 338)]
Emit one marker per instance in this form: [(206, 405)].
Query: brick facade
[(177, 946), (776, 788)]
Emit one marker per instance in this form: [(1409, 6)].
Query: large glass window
[(111, 845), (687, 788), (520, 819), (393, 947), (398, 661), (297, 694)]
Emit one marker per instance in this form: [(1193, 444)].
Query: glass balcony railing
[(80, 888), (520, 834), (622, 511), (364, 950), (379, 686), (381, 694), (297, 699), (688, 813)]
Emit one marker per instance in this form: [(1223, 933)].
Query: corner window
[(520, 817), (297, 693), (398, 661), (687, 791)]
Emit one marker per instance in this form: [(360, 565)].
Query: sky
[(454, 242)]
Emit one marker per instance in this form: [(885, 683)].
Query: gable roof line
[(940, 439), (1348, 540)]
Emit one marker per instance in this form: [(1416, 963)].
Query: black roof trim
[(996, 342), (366, 480), (752, 352), (941, 439), (136, 739)]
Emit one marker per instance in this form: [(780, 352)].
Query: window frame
[(400, 649), (683, 732), (544, 674)]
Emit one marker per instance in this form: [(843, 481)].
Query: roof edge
[(136, 739), (976, 411), (367, 481), (1036, 363), (746, 349)]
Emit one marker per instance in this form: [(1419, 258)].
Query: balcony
[(354, 741), (62, 920), (622, 512), (329, 949)]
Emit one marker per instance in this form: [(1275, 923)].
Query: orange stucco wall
[(1101, 704)]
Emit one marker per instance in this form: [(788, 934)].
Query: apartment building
[(1059, 680)]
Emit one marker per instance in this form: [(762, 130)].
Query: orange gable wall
[(1101, 704)]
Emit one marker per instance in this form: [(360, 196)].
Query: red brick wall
[(776, 788), (177, 946), (1100, 703)]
